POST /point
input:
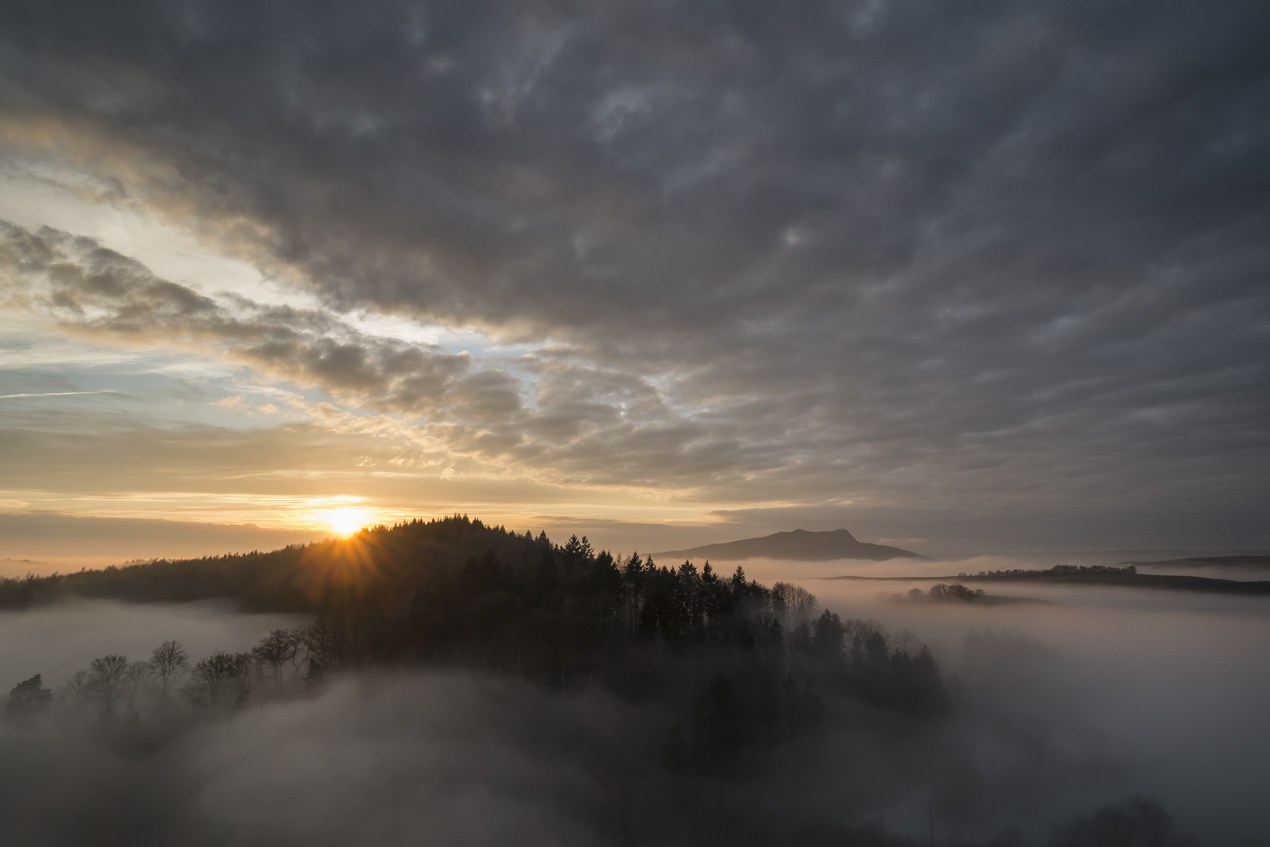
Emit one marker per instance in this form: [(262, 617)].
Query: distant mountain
[(799, 545), (1251, 563)]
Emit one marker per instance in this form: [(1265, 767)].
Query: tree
[(829, 633), (106, 675), (78, 687), (577, 551), (222, 674), (28, 699), (276, 649), (302, 651), (633, 570), (315, 677), (794, 601), (327, 640), (956, 591), (168, 662), (859, 632), (134, 678)]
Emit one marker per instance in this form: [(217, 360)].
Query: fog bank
[(57, 640), (1057, 709), (1097, 694)]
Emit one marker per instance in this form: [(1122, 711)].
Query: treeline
[(285, 662), (942, 592), (297, 578), (1057, 570)]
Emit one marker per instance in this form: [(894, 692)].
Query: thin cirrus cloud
[(888, 254), (442, 400)]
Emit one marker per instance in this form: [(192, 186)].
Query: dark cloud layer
[(895, 251)]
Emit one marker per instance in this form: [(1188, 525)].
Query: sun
[(345, 522)]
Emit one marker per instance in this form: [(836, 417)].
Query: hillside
[(1096, 575), (1250, 563), (458, 593), (798, 545)]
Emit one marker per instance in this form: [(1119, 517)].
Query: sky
[(967, 278)]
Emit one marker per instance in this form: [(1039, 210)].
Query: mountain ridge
[(797, 545)]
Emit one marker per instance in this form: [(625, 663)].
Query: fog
[(1096, 695), (55, 641), (380, 760)]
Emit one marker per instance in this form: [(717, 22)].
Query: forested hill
[(798, 546), (763, 664), (298, 578)]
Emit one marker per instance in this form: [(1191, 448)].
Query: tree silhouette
[(314, 677), (277, 649), (79, 687), (168, 663), (829, 632), (796, 602), (106, 675), (956, 591), (134, 679), (301, 653), (221, 676), (27, 699)]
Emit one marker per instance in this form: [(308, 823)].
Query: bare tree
[(299, 637), (794, 601), (277, 649), (106, 676), (223, 675), (134, 679), (327, 640), (249, 674), (168, 662), (859, 633), (78, 687)]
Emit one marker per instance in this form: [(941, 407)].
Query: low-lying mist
[(1094, 694), (57, 640), (1058, 708)]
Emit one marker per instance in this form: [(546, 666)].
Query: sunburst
[(346, 522)]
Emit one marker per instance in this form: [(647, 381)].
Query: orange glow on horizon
[(347, 522)]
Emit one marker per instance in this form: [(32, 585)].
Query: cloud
[(891, 252), (586, 422), (92, 289)]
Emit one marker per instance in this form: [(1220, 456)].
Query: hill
[(1250, 563), (1095, 575), (745, 666), (799, 546)]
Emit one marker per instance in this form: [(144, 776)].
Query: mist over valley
[(574, 730)]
